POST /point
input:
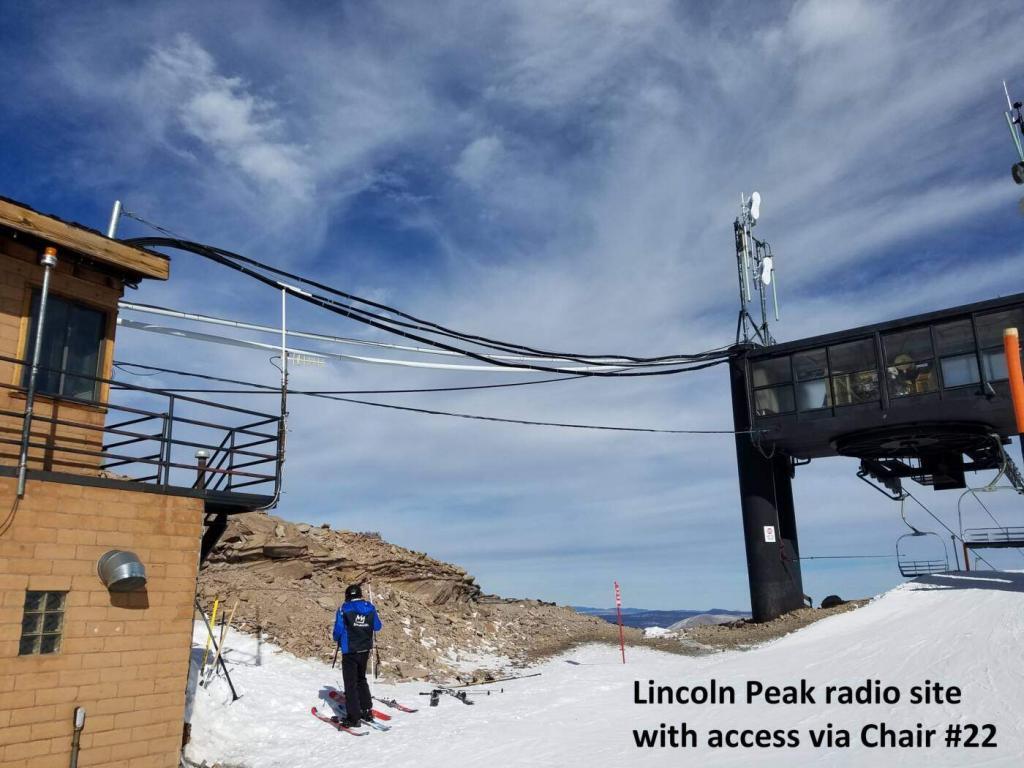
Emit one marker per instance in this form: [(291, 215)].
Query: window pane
[(774, 371), (952, 338), (959, 371), (51, 354), (29, 644), (812, 395), (49, 644), (30, 623), (810, 365), (852, 357), (72, 339), (52, 622), (994, 362), (909, 346), (910, 378), (34, 601), (991, 326), (768, 402), (54, 601), (85, 334), (853, 388)]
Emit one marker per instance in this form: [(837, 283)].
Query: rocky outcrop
[(288, 579)]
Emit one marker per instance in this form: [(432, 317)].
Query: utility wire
[(269, 390), (178, 242), (843, 557), (231, 260), (476, 417)]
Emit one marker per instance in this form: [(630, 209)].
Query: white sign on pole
[(769, 534)]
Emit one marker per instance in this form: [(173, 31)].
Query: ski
[(335, 722), (340, 712), (339, 697), (395, 705)]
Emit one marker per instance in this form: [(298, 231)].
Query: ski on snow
[(334, 721), (395, 705), (338, 702), (339, 697)]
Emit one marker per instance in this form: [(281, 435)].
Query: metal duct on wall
[(121, 571)]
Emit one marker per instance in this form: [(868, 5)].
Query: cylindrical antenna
[(115, 215)]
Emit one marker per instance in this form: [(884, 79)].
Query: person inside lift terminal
[(354, 625)]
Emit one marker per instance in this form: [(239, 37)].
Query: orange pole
[(1011, 346)]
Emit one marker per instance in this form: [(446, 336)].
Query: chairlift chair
[(912, 564)]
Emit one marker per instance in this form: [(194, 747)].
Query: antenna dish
[(767, 269), (755, 206)]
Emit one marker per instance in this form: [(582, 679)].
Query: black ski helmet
[(354, 592)]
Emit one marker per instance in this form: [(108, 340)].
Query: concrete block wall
[(124, 658)]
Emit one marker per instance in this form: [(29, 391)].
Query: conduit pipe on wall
[(49, 261), (76, 737)]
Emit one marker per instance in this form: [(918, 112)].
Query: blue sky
[(561, 174)]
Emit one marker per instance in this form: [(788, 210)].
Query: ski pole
[(234, 695), (336, 649), (499, 680)]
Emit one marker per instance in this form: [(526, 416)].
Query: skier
[(354, 625)]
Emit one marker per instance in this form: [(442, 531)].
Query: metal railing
[(1010, 536), (149, 436)]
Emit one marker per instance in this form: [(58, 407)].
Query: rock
[(832, 601), (284, 550), (433, 612)]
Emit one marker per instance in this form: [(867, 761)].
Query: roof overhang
[(131, 260)]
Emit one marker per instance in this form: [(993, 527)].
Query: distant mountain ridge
[(642, 618)]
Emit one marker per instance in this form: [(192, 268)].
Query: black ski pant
[(357, 690)]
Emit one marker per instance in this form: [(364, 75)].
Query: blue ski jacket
[(354, 625)]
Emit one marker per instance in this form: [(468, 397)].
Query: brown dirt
[(290, 578)]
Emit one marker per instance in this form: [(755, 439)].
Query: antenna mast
[(1015, 121), (755, 264)]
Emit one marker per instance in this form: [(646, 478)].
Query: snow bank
[(960, 629)]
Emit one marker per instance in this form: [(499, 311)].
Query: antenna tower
[(755, 266)]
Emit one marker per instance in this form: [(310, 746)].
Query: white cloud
[(565, 175)]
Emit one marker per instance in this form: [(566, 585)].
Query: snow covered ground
[(958, 629)]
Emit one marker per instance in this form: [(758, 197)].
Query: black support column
[(766, 498)]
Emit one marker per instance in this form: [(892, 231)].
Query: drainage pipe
[(49, 261)]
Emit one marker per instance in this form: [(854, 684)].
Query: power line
[(454, 414), (233, 341), (269, 390), (151, 309), (844, 557), (231, 260)]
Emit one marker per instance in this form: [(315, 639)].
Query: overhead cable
[(268, 390), (226, 258), (476, 417)]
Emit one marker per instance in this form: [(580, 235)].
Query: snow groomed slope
[(940, 633)]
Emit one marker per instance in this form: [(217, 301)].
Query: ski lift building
[(924, 397)]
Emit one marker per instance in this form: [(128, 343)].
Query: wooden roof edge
[(129, 258)]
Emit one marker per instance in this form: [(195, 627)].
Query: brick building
[(107, 467)]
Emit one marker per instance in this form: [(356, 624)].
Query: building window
[(42, 623), (990, 338), (773, 392), (72, 344), (854, 372), (910, 362), (811, 371), (958, 360)]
